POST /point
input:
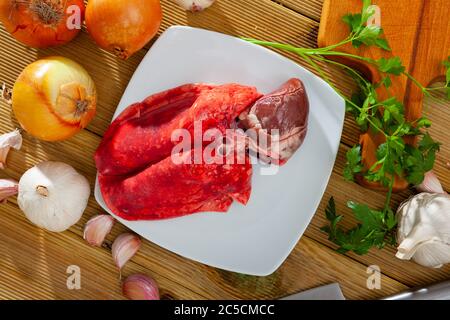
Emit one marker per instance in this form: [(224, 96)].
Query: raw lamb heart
[(285, 110)]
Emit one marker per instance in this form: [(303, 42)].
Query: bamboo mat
[(34, 262)]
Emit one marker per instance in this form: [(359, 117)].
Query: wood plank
[(416, 38), (180, 277), (311, 8), (34, 264), (47, 272), (87, 142), (406, 272), (184, 269), (437, 109)]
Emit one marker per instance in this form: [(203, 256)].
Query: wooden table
[(33, 262)]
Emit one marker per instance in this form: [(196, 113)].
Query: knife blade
[(329, 292), (438, 291)]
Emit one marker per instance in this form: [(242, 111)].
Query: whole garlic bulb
[(424, 230), (53, 195)]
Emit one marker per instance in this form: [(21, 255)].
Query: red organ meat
[(141, 180), (166, 190), (286, 110), (138, 178), (141, 135)]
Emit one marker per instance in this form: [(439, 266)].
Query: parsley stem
[(377, 128), (416, 82), (334, 46), (387, 204), (326, 78), (276, 45), (344, 54), (435, 88), (300, 50), (343, 66)]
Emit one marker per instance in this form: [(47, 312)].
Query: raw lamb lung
[(137, 176), (166, 190), (141, 135)]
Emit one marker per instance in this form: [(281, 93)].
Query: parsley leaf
[(419, 160), (392, 65), (386, 82), (447, 76), (371, 36), (361, 33), (447, 65), (354, 21), (375, 228), (354, 164), (383, 44)]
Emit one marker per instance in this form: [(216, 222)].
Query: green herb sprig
[(376, 228)]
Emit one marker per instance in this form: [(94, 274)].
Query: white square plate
[(257, 238)]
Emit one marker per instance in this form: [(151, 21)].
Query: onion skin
[(54, 98), (26, 25), (123, 26)]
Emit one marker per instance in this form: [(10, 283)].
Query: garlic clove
[(7, 141), (430, 184), (140, 287), (194, 5), (8, 188), (433, 255), (97, 228), (124, 248)]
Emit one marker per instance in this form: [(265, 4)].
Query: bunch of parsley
[(376, 228)]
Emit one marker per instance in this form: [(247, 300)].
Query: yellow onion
[(123, 26), (54, 98), (42, 23)]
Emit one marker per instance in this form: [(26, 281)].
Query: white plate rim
[(275, 265)]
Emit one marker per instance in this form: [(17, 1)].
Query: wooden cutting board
[(418, 32)]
